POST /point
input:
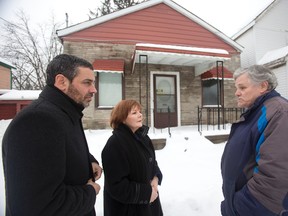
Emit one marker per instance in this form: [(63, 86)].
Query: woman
[(130, 167), (255, 162)]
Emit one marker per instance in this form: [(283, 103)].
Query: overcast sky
[(228, 16)]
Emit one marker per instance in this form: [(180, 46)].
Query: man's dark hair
[(67, 65)]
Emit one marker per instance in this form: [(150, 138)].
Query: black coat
[(46, 159), (129, 166)]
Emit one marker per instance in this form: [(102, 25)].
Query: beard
[(80, 99)]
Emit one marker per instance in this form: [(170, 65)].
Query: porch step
[(158, 143), (216, 139)]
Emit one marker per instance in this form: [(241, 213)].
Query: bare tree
[(109, 6), (29, 50)]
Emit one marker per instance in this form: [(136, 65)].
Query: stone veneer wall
[(190, 89)]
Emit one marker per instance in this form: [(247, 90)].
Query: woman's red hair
[(121, 111)]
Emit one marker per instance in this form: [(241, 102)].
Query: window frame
[(97, 84), (220, 81)]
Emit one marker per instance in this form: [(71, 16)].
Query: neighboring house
[(277, 60), (11, 102), (5, 74), (154, 52), (265, 41)]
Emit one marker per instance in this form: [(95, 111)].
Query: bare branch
[(109, 6), (30, 50)]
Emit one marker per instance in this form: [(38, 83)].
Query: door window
[(165, 94)]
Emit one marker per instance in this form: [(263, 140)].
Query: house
[(277, 61), (154, 52), (265, 41), (5, 74)]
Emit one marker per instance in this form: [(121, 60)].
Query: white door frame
[(177, 74)]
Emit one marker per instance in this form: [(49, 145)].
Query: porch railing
[(217, 117)]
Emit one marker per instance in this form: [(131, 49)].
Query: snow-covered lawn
[(190, 164)]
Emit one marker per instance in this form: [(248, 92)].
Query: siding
[(8, 111), (159, 24), (248, 55), (9, 108), (268, 33), (271, 30), (5, 78), (282, 77)]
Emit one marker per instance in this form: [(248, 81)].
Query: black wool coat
[(46, 160), (129, 165)]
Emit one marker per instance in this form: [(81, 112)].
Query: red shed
[(11, 102)]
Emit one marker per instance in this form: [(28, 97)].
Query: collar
[(260, 100), (142, 131), (61, 100)]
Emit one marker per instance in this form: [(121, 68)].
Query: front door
[(165, 101)]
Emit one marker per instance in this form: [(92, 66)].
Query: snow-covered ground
[(190, 164)]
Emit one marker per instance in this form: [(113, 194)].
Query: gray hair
[(258, 74)]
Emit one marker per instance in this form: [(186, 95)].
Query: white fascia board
[(243, 30)]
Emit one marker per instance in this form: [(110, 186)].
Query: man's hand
[(94, 185), (154, 182), (154, 195), (97, 170), (154, 185)]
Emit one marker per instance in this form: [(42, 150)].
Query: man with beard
[(47, 165)]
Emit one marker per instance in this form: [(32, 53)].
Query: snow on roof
[(20, 95), (273, 55), (6, 63), (3, 91)]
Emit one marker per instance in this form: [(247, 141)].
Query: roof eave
[(6, 64), (253, 22), (243, 30)]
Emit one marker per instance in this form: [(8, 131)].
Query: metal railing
[(215, 117)]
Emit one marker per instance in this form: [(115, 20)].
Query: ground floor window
[(210, 93), (109, 89)]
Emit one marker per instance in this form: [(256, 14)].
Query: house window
[(210, 92), (109, 89)]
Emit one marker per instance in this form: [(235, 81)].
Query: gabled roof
[(90, 23), (253, 22)]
